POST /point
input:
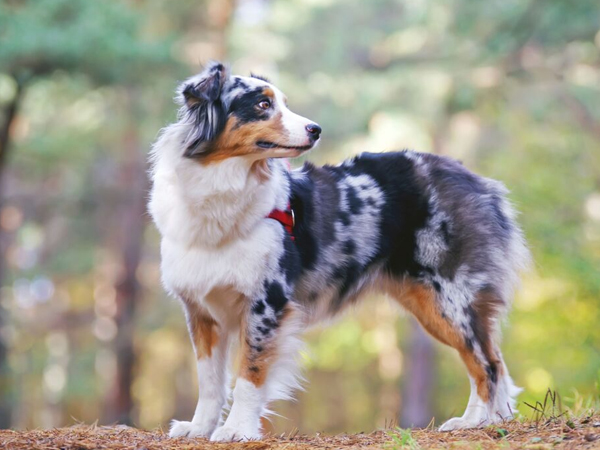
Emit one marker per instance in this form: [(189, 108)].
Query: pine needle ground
[(557, 432)]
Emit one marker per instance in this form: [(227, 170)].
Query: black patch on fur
[(445, 232), (289, 262), (469, 343), (206, 110), (315, 200), (350, 275), (244, 107), (492, 372), (263, 331), (208, 88), (344, 218), (258, 308), (256, 348), (238, 83), (260, 77), (437, 286), (349, 247), (354, 201), (428, 270), (275, 297), (253, 369), (403, 213), (338, 273), (270, 323)]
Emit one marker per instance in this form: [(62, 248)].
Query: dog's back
[(403, 215)]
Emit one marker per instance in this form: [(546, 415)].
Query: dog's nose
[(314, 130)]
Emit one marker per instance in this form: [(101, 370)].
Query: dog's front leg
[(210, 345), (267, 367)]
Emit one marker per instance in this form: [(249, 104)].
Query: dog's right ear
[(201, 98)]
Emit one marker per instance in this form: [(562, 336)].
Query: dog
[(257, 252)]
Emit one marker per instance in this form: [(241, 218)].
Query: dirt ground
[(553, 433)]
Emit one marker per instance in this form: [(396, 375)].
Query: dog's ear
[(202, 104)]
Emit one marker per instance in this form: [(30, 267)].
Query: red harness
[(285, 218)]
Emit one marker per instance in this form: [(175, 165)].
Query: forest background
[(510, 87)]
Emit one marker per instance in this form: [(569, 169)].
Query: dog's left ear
[(201, 99)]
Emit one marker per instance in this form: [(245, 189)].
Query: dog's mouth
[(271, 145)]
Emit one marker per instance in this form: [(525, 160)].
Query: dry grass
[(556, 432), (547, 429)]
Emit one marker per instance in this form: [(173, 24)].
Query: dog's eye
[(264, 104)]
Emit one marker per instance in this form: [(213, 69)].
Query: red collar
[(285, 218)]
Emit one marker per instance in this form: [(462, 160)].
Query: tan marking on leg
[(421, 302), (254, 365), (477, 371), (202, 328), (487, 307)]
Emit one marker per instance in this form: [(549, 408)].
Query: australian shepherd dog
[(257, 252)]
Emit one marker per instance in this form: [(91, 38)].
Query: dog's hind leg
[(210, 345), (492, 391), (269, 345)]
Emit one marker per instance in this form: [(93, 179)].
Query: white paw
[(228, 434), (458, 423), (188, 429)]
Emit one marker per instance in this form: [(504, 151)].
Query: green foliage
[(501, 432), (101, 39), (401, 440)]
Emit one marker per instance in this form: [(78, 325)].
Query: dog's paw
[(230, 434), (188, 429), (458, 423)]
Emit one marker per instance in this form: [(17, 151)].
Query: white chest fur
[(212, 220)]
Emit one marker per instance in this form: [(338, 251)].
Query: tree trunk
[(416, 395), (131, 220), (5, 390), (420, 376)]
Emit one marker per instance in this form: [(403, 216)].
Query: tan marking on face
[(269, 93), (421, 302), (202, 329), (241, 140)]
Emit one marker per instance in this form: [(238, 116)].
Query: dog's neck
[(213, 204)]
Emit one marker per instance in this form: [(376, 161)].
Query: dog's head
[(240, 116)]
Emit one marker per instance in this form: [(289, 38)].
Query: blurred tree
[(103, 41), (509, 87), (129, 220), (419, 380)]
